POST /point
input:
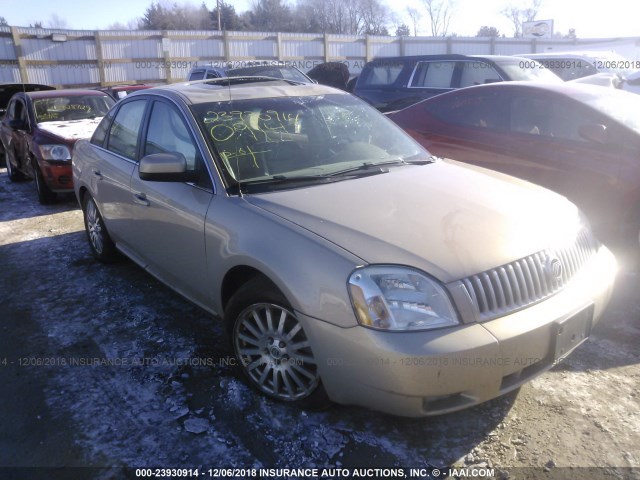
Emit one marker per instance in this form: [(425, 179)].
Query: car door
[(469, 126), (169, 217), (16, 139), (108, 170), (383, 83), (545, 132), (430, 78)]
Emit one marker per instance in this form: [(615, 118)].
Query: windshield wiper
[(285, 179), (378, 167)]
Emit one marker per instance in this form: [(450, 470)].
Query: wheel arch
[(82, 191), (235, 278)]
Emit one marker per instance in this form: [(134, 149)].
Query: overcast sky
[(590, 18)]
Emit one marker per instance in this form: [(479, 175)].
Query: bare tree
[(3, 22), (374, 16), (354, 17), (488, 32), (160, 16), (439, 12), (271, 16), (133, 24), (56, 21), (403, 30), (518, 14), (415, 16)]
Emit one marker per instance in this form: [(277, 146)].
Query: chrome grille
[(518, 284)]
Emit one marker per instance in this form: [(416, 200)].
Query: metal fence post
[(99, 58)]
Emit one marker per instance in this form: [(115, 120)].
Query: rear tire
[(100, 242), (271, 346), (45, 195)]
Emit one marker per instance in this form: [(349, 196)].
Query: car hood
[(71, 130), (445, 218)]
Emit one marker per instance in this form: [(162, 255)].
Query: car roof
[(588, 55), (219, 90), (70, 92), (118, 88), (447, 56), (577, 91)]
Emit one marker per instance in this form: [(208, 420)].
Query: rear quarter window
[(477, 73)]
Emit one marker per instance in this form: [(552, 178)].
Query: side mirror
[(594, 132), (165, 167)]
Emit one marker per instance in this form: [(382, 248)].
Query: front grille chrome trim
[(529, 280)]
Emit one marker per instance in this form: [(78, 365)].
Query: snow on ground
[(139, 377)]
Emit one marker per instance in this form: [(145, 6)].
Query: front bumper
[(433, 372), (58, 176)]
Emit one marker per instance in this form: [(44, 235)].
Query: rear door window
[(384, 73), (433, 75), (480, 111)]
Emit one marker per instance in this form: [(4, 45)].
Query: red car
[(581, 141), (118, 92), (39, 130)]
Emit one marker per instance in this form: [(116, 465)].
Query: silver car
[(347, 263)]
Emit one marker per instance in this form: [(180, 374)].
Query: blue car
[(394, 83)]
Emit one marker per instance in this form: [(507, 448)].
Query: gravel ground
[(102, 366)]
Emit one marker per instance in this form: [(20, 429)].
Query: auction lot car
[(8, 90), (582, 141), (39, 130), (118, 92), (252, 69), (599, 68), (347, 264), (396, 82)]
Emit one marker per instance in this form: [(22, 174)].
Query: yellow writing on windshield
[(258, 126), (242, 153)]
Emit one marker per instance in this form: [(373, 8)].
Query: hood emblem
[(553, 270)]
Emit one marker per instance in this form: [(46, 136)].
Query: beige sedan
[(347, 263)]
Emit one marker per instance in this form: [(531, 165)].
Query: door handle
[(97, 173), (141, 199)]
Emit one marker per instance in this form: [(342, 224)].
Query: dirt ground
[(97, 370)]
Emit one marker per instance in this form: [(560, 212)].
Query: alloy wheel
[(275, 352), (94, 226)]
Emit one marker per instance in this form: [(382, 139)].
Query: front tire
[(14, 175), (271, 346), (100, 242), (45, 195)]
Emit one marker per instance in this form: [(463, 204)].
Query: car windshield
[(303, 138), (71, 107), (518, 70)]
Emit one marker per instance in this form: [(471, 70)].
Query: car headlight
[(388, 297), (55, 152)]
